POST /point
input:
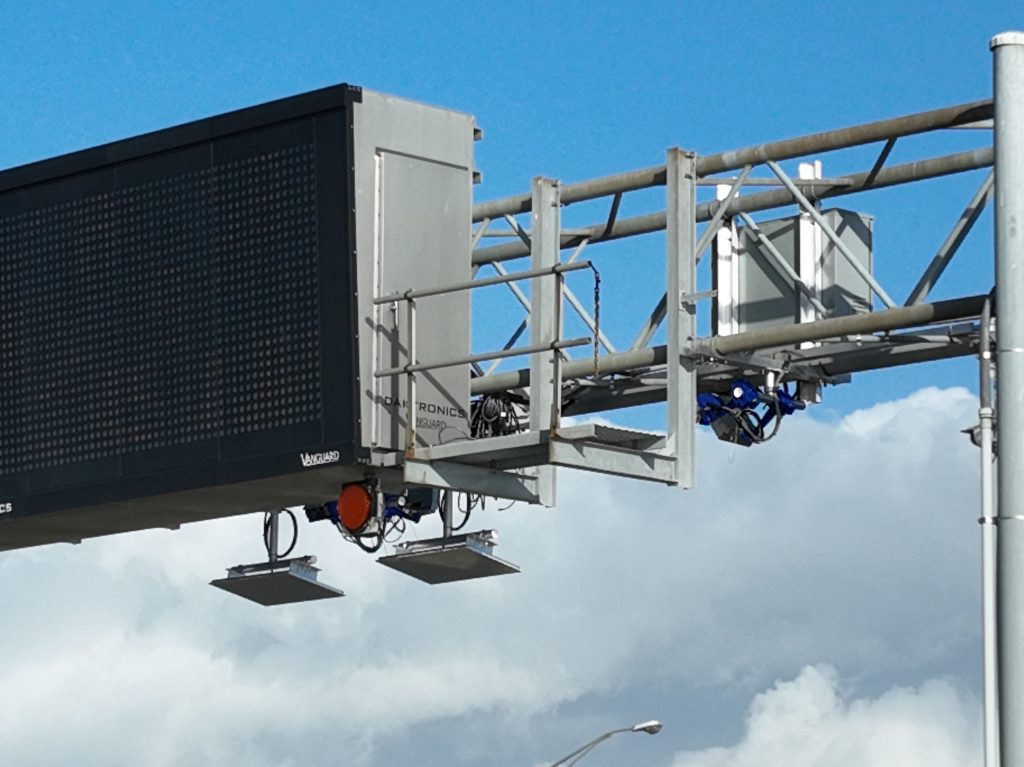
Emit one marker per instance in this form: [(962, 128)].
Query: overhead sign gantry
[(272, 308)]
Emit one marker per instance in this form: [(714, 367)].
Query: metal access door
[(422, 242)]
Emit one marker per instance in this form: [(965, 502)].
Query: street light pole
[(652, 727)]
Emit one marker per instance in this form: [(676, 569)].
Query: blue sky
[(569, 90), (774, 594)]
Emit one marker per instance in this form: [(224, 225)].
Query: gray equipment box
[(187, 326), (754, 293)]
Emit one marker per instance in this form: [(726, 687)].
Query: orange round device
[(355, 507)]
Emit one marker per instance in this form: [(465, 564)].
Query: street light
[(651, 727)]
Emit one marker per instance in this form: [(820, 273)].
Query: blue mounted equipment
[(738, 420)]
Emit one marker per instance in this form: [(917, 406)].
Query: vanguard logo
[(319, 459)]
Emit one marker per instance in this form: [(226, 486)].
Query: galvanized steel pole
[(1008, 54)]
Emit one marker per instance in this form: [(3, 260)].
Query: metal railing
[(413, 366)]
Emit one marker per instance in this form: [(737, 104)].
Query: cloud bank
[(828, 545), (807, 722)]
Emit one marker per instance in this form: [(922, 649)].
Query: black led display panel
[(176, 310)]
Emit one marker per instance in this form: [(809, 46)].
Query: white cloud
[(808, 722), (826, 545)]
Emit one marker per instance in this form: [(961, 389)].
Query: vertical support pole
[(545, 321), (272, 538), (811, 248), (1008, 55), (447, 499), (410, 395), (990, 663), (809, 244), (681, 263), (556, 366), (727, 270)]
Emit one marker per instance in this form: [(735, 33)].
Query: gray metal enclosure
[(413, 181), (755, 291), (188, 320)]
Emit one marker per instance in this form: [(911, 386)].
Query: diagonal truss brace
[(827, 230), (782, 265), (658, 315), (953, 240), (570, 296)]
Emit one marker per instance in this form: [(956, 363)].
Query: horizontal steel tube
[(584, 190), (596, 400), (611, 363), (888, 319), (842, 138), (785, 149), (906, 173), (484, 357), (873, 322), (730, 180), (859, 182), (501, 279), (626, 227)]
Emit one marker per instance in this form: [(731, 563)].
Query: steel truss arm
[(868, 133), (654, 222), (836, 327), (831, 364)]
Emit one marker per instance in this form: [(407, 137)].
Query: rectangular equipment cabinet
[(754, 293), (186, 318)]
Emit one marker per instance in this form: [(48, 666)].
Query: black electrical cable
[(446, 501), (372, 548), (747, 420), (493, 415), (396, 524), (778, 420), (744, 420), (266, 533), (462, 524), (358, 540)]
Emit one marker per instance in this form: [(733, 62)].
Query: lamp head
[(651, 728)]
